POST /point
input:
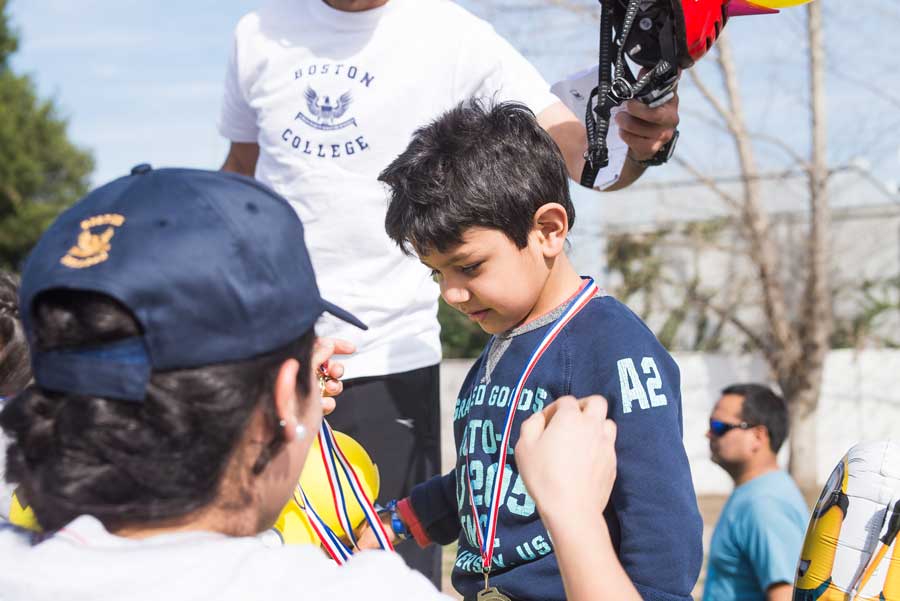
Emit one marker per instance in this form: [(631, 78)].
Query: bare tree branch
[(756, 225), (816, 318), (708, 182), (785, 147), (730, 317), (711, 99)]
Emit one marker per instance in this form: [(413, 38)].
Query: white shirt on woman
[(84, 562)]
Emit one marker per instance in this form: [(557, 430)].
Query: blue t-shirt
[(652, 513), (757, 540)]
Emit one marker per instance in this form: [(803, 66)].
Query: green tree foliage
[(41, 171), (460, 337)]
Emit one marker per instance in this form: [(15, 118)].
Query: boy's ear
[(551, 223)]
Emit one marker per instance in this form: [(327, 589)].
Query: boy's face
[(490, 279)]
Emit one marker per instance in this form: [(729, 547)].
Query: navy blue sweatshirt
[(652, 514)]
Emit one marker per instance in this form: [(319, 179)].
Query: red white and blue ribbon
[(326, 435), (338, 551), (486, 539), (335, 461)]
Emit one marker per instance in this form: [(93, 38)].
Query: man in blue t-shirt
[(755, 546)]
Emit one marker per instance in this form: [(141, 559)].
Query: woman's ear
[(286, 401), (551, 223)]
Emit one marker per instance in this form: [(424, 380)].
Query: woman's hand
[(328, 371), (566, 453)]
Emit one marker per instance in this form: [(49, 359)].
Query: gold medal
[(490, 593)]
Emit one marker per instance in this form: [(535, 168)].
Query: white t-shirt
[(84, 562), (332, 98)]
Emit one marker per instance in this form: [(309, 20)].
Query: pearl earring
[(300, 431)]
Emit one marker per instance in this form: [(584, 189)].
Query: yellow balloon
[(843, 556), (22, 515), (293, 526), (292, 523)]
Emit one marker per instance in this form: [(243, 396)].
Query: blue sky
[(140, 81)]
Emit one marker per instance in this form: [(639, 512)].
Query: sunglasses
[(718, 428)]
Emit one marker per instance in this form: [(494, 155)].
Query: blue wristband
[(397, 524)]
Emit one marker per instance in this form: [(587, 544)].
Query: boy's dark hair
[(487, 165), (762, 407), (134, 462), (15, 363)]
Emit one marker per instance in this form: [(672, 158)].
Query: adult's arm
[(771, 541), (572, 436), (645, 130), (242, 157), (780, 592), (237, 118)]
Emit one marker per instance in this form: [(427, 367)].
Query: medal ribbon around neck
[(486, 540), (333, 458)]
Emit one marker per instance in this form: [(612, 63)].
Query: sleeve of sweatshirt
[(653, 515), (434, 505)]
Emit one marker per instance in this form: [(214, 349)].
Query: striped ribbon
[(486, 540), (332, 543), (335, 462)]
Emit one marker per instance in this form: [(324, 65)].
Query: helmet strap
[(654, 88)]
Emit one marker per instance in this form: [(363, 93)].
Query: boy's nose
[(454, 295)]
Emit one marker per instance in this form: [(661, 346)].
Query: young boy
[(481, 195)]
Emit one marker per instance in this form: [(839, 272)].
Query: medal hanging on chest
[(491, 594), (486, 537)]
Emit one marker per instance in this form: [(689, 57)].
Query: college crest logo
[(328, 90), (92, 247), (326, 111)]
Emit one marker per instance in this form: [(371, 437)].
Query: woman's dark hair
[(133, 463), (477, 165), (15, 365)]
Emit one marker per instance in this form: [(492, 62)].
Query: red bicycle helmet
[(680, 31), (705, 19)]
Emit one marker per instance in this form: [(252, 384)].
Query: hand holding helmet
[(662, 37)]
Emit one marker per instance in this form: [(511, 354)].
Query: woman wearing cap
[(153, 471)]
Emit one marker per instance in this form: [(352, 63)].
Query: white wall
[(860, 402)]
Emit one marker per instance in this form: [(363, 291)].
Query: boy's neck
[(562, 283)]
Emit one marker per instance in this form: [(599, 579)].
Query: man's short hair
[(762, 407), (477, 165)]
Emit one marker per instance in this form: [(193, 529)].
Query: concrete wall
[(860, 402)]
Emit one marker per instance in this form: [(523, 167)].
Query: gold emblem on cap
[(93, 248)]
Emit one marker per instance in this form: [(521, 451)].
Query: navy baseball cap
[(212, 265)]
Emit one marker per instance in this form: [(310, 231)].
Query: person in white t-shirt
[(320, 95)]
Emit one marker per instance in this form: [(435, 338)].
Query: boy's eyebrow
[(459, 257)]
